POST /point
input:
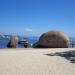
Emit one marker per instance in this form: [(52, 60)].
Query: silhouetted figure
[(9, 45), (72, 44)]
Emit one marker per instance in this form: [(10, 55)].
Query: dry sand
[(34, 62)]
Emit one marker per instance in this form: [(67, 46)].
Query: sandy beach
[(28, 61)]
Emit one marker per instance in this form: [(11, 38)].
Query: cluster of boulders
[(51, 39), (14, 41)]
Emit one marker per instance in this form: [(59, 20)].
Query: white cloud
[(28, 30)]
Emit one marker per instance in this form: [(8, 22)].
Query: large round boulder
[(52, 39)]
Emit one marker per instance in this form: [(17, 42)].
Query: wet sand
[(28, 61)]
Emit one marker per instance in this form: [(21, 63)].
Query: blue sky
[(34, 17)]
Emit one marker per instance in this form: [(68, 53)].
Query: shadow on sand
[(69, 55)]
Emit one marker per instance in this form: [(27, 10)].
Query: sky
[(34, 17)]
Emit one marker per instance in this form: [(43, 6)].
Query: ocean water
[(31, 40)]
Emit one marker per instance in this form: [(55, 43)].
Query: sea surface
[(31, 40)]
